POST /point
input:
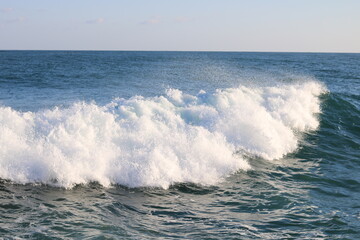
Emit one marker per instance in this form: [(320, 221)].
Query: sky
[(181, 25)]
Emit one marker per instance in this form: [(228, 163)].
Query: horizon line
[(223, 51)]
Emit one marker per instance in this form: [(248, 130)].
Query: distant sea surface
[(179, 145)]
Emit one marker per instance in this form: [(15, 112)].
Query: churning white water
[(156, 141)]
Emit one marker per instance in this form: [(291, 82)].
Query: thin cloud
[(16, 20), (96, 21), (151, 21), (6, 10)]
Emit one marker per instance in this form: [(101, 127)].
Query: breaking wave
[(157, 141)]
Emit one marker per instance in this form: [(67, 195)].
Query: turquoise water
[(190, 145)]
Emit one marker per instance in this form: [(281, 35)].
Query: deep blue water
[(189, 145)]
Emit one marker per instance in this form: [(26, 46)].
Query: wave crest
[(156, 141)]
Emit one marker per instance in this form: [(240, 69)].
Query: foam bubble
[(156, 141)]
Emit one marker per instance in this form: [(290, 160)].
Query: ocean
[(179, 145)]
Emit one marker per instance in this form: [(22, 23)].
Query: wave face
[(156, 141)]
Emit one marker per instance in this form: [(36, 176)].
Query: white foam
[(156, 141)]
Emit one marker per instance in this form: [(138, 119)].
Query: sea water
[(190, 145)]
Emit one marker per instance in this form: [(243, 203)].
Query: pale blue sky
[(194, 25)]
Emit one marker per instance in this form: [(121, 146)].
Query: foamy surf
[(156, 141)]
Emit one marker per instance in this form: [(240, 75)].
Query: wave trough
[(156, 141)]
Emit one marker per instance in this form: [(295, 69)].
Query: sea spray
[(156, 141)]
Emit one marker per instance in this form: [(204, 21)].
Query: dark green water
[(142, 168)]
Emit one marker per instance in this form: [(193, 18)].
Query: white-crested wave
[(156, 141)]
